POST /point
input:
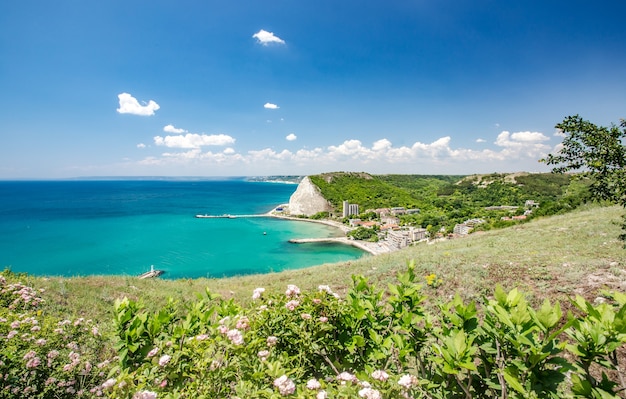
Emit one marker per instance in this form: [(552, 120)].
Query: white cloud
[(193, 140), (270, 106), (172, 129), (559, 133), (141, 145), (130, 105), (511, 152), (291, 137), (265, 38), (480, 140)]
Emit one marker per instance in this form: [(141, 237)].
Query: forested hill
[(447, 199)]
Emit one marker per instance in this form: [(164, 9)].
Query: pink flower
[(263, 354), (222, 329), (369, 393), (235, 336), (292, 291), (323, 319), (165, 359), (380, 375), (271, 341), (202, 337), (256, 294), (12, 334), (313, 384), (243, 323), (321, 395), (153, 352), (145, 395), (347, 377), (291, 305), (407, 381), (285, 385), (305, 316), (33, 363)]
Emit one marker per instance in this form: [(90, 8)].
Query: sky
[(286, 87)]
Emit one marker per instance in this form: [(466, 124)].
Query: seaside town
[(390, 235)]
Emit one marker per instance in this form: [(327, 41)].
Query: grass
[(556, 257)]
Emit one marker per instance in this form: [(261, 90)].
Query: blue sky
[(231, 88)]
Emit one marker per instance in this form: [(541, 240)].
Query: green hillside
[(446, 200)]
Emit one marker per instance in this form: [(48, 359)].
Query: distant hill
[(448, 199)]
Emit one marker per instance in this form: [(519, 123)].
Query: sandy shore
[(374, 248)]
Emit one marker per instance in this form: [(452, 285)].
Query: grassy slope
[(552, 257)]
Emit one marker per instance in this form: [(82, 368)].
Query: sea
[(126, 226)]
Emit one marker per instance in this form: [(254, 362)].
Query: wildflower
[(163, 384), (317, 301), (243, 323), (163, 360), (305, 316), (291, 305), (271, 341), (292, 291), (323, 319), (153, 352), (370, 393), (325, 288), (321, 395), (380, 375), (33, 363), (256, 294), (345, 376), (407, 381), (202, 337), (222, 329), (285, 385), (12, 334), (313, 384), (263, 354), (41, 342), (94, 331), (235, 336), (145, 395), (30, 355)]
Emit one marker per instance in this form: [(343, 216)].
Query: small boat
[(151, 274)]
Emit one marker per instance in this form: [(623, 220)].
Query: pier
[(228, 216)]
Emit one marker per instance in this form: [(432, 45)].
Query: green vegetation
[(598, 153), (444, 201)]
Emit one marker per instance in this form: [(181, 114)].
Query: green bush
[(370, 344)]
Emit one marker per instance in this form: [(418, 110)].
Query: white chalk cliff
[(307, 200)]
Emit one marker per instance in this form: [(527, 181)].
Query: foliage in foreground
[(370, 344), (44, 356)]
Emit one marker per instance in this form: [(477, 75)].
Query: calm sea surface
[(122, 227)]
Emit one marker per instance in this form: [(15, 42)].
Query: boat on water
[(151, 273)]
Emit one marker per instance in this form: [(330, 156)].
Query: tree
[(596, 152)]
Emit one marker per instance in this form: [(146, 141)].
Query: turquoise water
[(89, 227)]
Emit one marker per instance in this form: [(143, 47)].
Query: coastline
[(373, 248)]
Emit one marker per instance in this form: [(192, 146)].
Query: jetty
[(229, 216), (151, 273)]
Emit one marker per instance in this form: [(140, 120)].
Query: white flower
[(256, 294), (163, 360), (145, 395), (292, 291), (313, 384), (407, 381), (153, 352), (108, 383), (380, 375), (285, 385), (235, 336), (321, 395), (369, 393)]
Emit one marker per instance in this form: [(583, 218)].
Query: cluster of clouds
[(187, 148)]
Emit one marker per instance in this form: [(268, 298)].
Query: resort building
[(350, 209)]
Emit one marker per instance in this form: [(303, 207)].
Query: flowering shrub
[(368, 344), (44, 356)]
